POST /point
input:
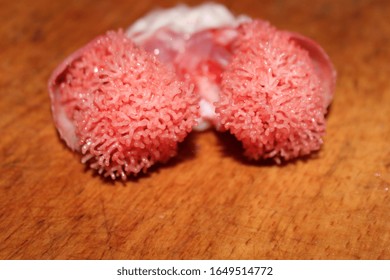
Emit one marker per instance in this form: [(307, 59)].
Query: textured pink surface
[(273, 98), (125, 107), (324, 68), (128, 110), (199, 59), (271, 88)]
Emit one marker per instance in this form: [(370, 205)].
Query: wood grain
[(208, 203)]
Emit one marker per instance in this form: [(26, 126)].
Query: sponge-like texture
[(126, 100), (272, 98), (121, 107)]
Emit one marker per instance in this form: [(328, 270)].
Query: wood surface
[(209, 202)]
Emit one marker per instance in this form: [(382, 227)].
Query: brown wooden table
[(208, 203)]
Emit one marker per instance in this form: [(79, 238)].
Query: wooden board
[(209, 202)]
